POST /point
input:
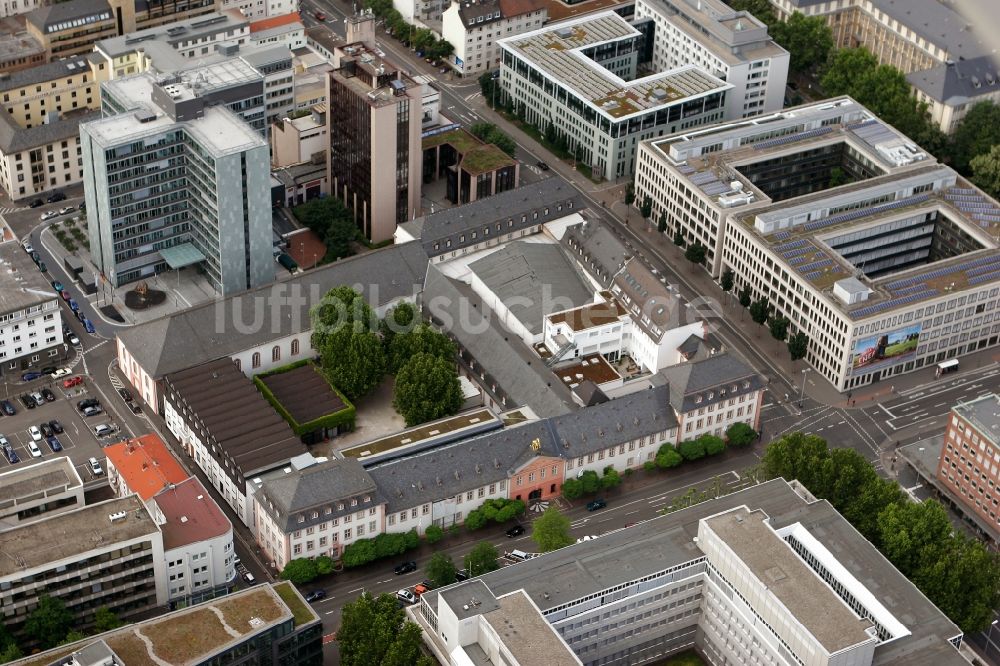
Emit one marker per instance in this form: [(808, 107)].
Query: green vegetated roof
[(301, 393), (301, 613), (485, 158), (460, 140)]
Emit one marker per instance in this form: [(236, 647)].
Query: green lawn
[(688, 658)]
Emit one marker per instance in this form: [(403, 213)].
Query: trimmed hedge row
[(344, 417)]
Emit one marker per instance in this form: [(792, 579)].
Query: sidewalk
[(610, 196)]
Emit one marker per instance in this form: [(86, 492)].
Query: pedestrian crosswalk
[(117, 383), (4, 211)]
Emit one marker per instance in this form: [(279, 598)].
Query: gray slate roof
[(15, 139), (66, 11), (502, 354), (213, 330), (533, 280), (444, 472), (525, 201), (653, 307), (46, 72), (320, 487), (954, 83), (722, 375), (597, 249)]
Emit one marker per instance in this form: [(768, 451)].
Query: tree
[(962, 582), (10, 653), (551, 530), (679, 239), (691, 449), (572, 489), (696, 254), (779, 328), (646, 209), (728, 280), (590, 482), (301, 570), (72, 637), (324, 565), (629, 199), (760, 9), (49, 622), (433, 533), (911, 534), (661, 225), (441, 570), (740, 435), (759, 311), (427, 388), (713, 445), (482, 559), (510, 510), (329, 219), (423, 339), (798, 346), (351, 354), (490, 133), (611, 478), (986, 171), (976, 134), (401, 319), (488, 86), (374, 630), (105, 620), (667, 457), (475, 520), (808, 40)]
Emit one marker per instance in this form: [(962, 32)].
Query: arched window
[(275, 353), (239, 366), (295, 347), (256, 360)]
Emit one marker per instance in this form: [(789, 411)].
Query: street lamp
[(802, 391)]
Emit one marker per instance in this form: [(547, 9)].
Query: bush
[(590, 481), (740, 435), (475, 520), (713, 445), (300, 571), (324, 565), (433, 534), (572, 489), (498, 510), (611, 478), (667, 457), (388, 544), (649, 465), (691, 449)]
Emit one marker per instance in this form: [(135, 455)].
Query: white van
[(103, 430), (518, 555)]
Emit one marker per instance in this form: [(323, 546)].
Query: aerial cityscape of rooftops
[(500, 332)]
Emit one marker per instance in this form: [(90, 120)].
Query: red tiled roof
[(517, 7), (145, 465), (191, 515), (275, 22)]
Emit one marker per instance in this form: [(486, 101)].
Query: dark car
[(28, 401), (542, 165), (7, 407), (320, 16), (596, 504), (136, 409), (49, 370), (124, 393), (56, 196), (405, 568), (88, 402), (56, 426), (88, 325), (36, 203), (35, 257), (45, 428), (57, 285), (73, 305), (517, 530), (54, 443), (461, 575), (30, 376), (48, 395), (11, 455), (315, 595)]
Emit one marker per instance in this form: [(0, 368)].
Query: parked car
[(30, 376), (42, 268), (66, 296), (45, 428), (316, 595), (66, 210), (56, 426), (54, 443), (36, 434), (48, 395), (57, 285), (8, 451), (48, 370), (320, 16), (73, 340), (73, 305), (134, 406), (35, 203), (89, 326), (38, 398), (542, 165), (405, 568), (95, 467), (92, 411), (87, 402), (7, 407), (48, 215), (406, 596), (72, 381), (61, 372), (596, 504), (28, 401), (34, 450), (420, 588), (103, 430), (55, 197), (249, 578), (516, 530), (124, 393)]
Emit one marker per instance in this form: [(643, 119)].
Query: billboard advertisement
[(884, 350)]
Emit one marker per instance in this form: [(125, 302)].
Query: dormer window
[(711, 394), (354, 502), (697, 399), (340, 507), (301, 518), (746, 385), (368, 498), (479, 20)]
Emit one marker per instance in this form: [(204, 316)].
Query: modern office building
[(765, 575), (946, 49), (971, 455), (31, 493), (732, 45), (266, 624), (106, 554), (474, 26), (581, 76), (374, 125), (172, 182), (886, 260), (30, 316)]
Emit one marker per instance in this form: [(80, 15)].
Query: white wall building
[(30, 316), (731, 45), (473, 26), (31, 493), (603, 110), (255, 10)]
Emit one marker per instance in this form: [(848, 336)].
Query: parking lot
[(78, 440)]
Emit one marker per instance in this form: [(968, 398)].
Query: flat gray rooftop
[(71, 534), (527, 634), (21, 285), (789, 579), (984, 414), (52, 475), (470, 598)]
